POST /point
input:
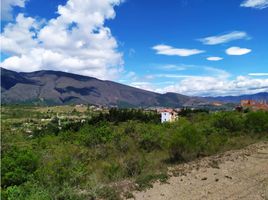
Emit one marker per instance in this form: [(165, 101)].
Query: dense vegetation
[(112, 150)]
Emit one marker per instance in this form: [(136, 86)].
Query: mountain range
[(56, 88)]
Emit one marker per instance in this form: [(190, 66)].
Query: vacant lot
[(237, 174)]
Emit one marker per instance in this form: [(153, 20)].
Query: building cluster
[(254, 105)]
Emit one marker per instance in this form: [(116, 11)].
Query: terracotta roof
[(167, 110)]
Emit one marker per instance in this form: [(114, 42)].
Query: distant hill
[(55, 87), (263, 96)]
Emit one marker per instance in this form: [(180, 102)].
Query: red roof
[(167, 110)]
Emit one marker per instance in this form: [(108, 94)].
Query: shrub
[(50, 128), (257, 121), (133, 166), (96, 135), (145, 181), (29, 191), (108, 193), (17, 166), (113, 171), (150, 137), (230, 121), (186, 143)]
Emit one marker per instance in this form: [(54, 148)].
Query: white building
[(168, 115)]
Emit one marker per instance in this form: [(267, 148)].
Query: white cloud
[(215, 86), (258, 74), (179, 76), (258, 4), (7, 7), (76, 41), (213, 82), (171, 51), (202, 71), (172, 67), (19, 37), (220, 39), (237, 51), (214, 58), (210, 81), (143, 85), (131, 76)]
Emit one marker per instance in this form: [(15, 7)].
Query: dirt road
[(238, 174)]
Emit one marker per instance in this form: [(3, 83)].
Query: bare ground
[(236, 174)]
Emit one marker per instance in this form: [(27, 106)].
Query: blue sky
[(193, 47)]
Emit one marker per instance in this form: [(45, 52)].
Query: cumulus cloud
[(76, 41), (258, 4), (237, 51), (220, 39), (216, 86), (214, 58), (212, 82), (171, 51), (7, 7)]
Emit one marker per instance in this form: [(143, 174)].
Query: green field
[(69, 152)]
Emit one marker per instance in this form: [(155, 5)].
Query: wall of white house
[(165, 117)]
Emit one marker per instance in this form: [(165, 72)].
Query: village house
[(254, 105), (168, 115)]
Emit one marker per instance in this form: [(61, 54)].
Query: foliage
[(257, 121), (186, 143), (122, 115), (186, 112), (17, 166), (86, 160), (230, 121)]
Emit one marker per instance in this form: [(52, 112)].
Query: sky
[(191, 47)]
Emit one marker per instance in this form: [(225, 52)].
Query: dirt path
[(239, 174)]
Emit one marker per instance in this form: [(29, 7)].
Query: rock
[(229, 177)]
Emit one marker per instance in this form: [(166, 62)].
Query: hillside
[(262, 96), (54, 87)]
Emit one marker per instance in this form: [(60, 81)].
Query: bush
[(257, 121), (133, 166), (113, 171), (17, 166), (108, 193), (145, 181), (150, 137), (186, 143), (29, 191), (229, 121), (94, 136)]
